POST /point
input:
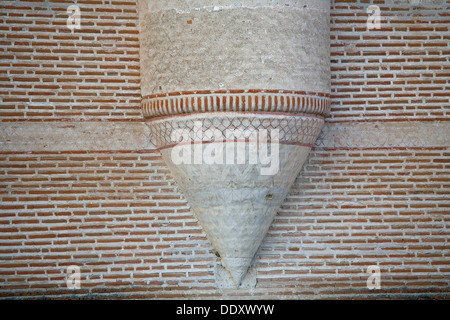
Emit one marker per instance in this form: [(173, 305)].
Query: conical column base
[(235, 171)]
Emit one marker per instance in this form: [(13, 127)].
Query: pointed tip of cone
[(237, 268), (237, 275)]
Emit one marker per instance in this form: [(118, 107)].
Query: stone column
[(235, 93)]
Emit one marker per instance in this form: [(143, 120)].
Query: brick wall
[(50, 73), (374, 191), (395, 73)]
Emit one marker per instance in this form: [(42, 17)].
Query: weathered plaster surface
[(73, 136), (188, 5), (248, 45)]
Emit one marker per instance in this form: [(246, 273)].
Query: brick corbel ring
[(283, 101)]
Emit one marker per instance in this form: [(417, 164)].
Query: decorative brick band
[(235, 101), (298, 129)]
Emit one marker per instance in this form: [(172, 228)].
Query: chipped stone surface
[(225, 281)]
